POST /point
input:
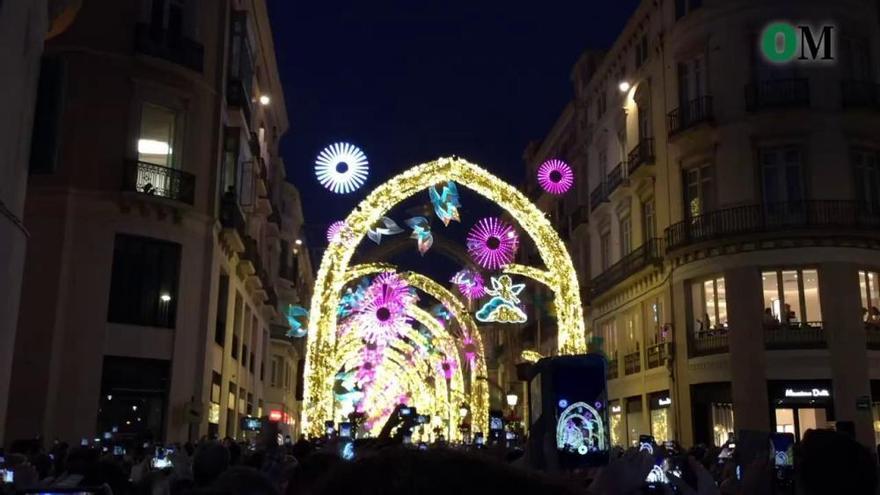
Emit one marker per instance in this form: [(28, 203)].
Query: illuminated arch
[(332, 272)]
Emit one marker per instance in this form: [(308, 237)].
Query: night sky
[(409, 81)]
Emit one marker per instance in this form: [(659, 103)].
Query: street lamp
[(512, 398), (463, 411), (624, 86)]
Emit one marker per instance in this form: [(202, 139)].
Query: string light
[(341, 167), (331, 276)]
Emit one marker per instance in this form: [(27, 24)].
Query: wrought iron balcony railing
[(778, 93), (689, 114), (706, 342), (161, 43), (807, 335), (231, 216), (642, 154), (613, 369), (598, 196), (632, 363), (651, 252), (657, 355), (615, 177), (864, 94), (156, 180), (773, 217)]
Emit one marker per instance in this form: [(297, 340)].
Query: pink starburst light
[(470, 283), (383, 312), (334, 229), (492, 243), (555, 176)]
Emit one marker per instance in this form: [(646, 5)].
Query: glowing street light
[(624, 86), (512, 398), (265, 100)]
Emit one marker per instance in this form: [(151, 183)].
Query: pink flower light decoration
[(470, 283), (334, 229), (492, 243), (555, 176), (383, 311)]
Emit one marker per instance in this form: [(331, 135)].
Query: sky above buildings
[(409, 81)]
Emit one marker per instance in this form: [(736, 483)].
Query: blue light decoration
[(503, 307), (342, 168), (421, 232), (385, 226), (447, 203), (295, 314)]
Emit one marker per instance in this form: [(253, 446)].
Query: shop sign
[(815, 392), (615, 409), (664, 401)]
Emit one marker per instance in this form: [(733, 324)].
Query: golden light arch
[(334, 265)]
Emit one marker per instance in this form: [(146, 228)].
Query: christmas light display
[(447, 203), (492, 243), (341, 167), (580, 429), (555, 176), (332, 274), (421, 232), (503, 307), (530, 356), (334, 230), (470, 283), (383, 312), (385, 226), (294, 316)]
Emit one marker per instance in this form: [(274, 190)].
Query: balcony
[(649, 253), (807, 335), (872, 335), (774, 218), (173, 47), (163, 182), (598, 196), (615, 178), (580, 216), (613, 369), (690, 114), (632, 363), (642, 154), (778, 93), (860, 94), (707, 342), (657, 355)]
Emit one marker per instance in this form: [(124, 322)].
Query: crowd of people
[(825, 462)]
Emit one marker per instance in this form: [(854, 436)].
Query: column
[(845, 333), (748, 365), (679, 389)]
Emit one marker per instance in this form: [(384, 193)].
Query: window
[(156, 137), (222, 308), (722, 422), (625, 236), (684, 7), (134, 396), (866, 169), (649, 220), (250, 404), (781, 178), (792, 296), (241, 65), (870, 295), (603, 161), (855, 59), (601, 105), (608, 333), (655, 322), (231, 155), (143, 287), (709, 305), (644, 115), (234, 351), (45, 135), (241, 402), (699, 191), (641, 51), (605, 250), (691, 82)]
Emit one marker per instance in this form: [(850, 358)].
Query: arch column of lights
[(332, 272), (479, 390), (415, 376)]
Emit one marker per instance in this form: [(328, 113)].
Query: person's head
[(768, 312), (209, 461), (830, 462), (310, 470), (242, 480)]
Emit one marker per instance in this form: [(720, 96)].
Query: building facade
[(158, 255), (725, 218)]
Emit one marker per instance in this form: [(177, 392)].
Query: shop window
[(634, 420), (875, 411), (661, 420), (616, 425), (134, 395), (709, 305), (792, 298), (143, 285), (722, 422)]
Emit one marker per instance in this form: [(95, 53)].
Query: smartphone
[(751, 445), (496, 422), (347, 451), (647, 444), (118, 450), (423, 446), (478, 440), (657, 474), (329, 427), (344, 430), (423, 419), (8, 475), (782, 449), (161, 459), (84, 442), (678, 466), (407, 439)]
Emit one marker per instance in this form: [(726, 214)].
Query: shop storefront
[(661, 416), (634, 426), (875, 409), (712, 413), (798, 406), (617, 424)]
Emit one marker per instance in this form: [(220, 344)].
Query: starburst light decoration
[(341, 167), (470, 283), (333, 273), (447, 203), (334, 230), (383, 313), (492, 243), (504, 305), (421, 232), (385, 226), (295, 315), (555, 176)]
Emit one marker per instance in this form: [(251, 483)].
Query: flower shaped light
[(334, 230), (341, 167), (470, 283), (492, 243), (383, 313), (555, 176)]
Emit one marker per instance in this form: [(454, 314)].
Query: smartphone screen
[(345, 430), (329, 427), (580, 396), (8, 476), (783, 449)]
